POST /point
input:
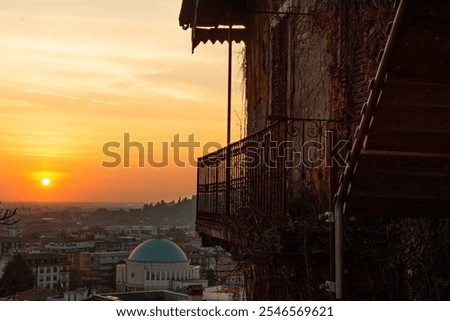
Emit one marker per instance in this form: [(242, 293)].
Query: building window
[(147, 275), (153, 275), (55, 269)]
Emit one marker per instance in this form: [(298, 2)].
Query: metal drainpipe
[(338, 249), (228, 150), (358, 145)]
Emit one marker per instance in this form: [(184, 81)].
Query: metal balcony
[(277, 176)]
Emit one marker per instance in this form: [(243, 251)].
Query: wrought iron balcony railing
[(272, 175)]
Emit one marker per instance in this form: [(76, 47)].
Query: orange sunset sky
[(75, 74)]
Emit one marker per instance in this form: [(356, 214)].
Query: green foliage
[(17, 277)]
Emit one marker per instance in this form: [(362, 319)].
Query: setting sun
[(69, 81), (46, 181)]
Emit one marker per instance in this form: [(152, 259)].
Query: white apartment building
[(49, 269)]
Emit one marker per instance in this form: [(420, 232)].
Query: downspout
[(376, 87)]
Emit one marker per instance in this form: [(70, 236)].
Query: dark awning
[(210, 19), (187, 13), (216, 34)]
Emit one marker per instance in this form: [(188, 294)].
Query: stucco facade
[(156, 265)]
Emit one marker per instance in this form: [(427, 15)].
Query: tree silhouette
[(17, 277), (7, 216)]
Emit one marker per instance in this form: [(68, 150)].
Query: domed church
[(157, 264)]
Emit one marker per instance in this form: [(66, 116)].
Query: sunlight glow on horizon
[(77, 74)]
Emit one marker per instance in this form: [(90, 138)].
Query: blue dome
[(157, 250)]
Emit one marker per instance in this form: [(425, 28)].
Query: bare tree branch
[(7, 216)]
